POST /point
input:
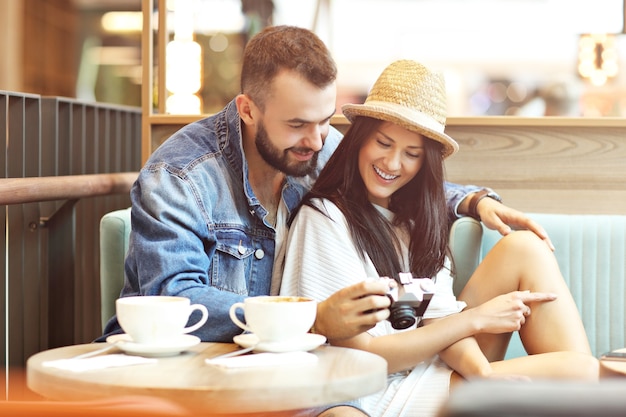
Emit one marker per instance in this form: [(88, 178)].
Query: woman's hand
[(507, 312)]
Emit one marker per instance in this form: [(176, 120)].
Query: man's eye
[(297, 126)]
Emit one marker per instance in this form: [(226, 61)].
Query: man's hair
[(278, 48)]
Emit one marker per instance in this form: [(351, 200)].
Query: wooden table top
[(339, 375)]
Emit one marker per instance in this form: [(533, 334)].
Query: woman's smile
[(383, 175)]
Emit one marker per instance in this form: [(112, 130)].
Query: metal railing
[(65, 164)]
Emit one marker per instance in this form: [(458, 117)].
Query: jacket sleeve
[(171, 251), (455, 193)]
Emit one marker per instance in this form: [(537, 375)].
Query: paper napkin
[(264, 359), (98, 362)]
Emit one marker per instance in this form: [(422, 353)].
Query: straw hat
[(410, 95)]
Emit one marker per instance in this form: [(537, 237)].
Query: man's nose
[(314, 138)]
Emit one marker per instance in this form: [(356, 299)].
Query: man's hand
[(353, 310), (497, 216)]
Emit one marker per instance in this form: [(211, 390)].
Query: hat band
[(410, 115)]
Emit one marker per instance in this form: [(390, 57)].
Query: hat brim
[(409, 119)]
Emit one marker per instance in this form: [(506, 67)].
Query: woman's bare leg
[(552, 365), (521, 261)]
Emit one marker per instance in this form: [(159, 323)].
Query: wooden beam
[(37, 189)]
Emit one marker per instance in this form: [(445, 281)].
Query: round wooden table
[(339, 375), (612, 368)]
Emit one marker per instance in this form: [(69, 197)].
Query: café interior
[(89, 88)]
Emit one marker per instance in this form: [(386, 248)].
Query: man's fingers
[(505, 220), (374, 316), (367, 287), (536, 228), (541, 232), (550, 244), (373, 303)]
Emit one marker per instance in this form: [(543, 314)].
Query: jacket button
[(259, 254)]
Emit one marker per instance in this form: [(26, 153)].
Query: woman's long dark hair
[(419, 206)]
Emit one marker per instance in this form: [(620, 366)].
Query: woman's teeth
[(384, 175)]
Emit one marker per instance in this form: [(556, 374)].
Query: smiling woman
[(377, 214)]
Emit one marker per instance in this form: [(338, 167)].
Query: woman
[(378, 209)]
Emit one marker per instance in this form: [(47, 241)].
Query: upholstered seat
[(590, 249), (591, 252), (114, 234)]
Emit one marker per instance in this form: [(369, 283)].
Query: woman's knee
[(524, 240), (591, 368), (525, 245)]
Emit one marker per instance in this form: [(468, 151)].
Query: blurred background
[(499, 57)]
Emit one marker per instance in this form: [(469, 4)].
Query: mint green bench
[(591, 252), (590, 249), (114, 236)]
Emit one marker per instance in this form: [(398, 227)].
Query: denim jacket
[(198, 230)]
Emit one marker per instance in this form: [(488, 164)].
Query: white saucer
[(307, 342), (174, 347)]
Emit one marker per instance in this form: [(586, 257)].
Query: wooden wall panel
[(541, 165), (546, 167), (50, 47)]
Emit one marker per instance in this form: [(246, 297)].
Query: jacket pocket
[(232, 261)]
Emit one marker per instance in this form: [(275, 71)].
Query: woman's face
[(389, 158)]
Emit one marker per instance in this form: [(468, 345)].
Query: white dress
[(320, 260)]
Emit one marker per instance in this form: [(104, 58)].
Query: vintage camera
[(407, 309)]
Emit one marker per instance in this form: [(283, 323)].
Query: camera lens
[(402, 316)]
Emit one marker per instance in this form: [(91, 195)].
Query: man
[(210, 206)]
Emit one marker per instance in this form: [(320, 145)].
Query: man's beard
[(280, 160)]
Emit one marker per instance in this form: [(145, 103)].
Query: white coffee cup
[(157, 319), (276, 318)]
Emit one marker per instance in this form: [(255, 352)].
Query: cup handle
[(234, 318), (203, 319)]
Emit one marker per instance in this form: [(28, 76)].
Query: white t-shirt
[(320, 259)]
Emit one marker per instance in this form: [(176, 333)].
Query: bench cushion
[(591, 252)]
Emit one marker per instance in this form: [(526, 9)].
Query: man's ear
[(246, 108)]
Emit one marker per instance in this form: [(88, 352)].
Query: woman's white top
[(320, 259)]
